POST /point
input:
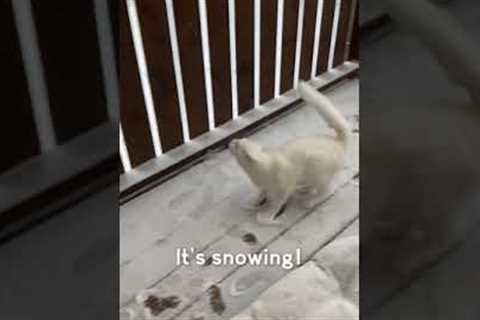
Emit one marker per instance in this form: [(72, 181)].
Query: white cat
[(305, 165)]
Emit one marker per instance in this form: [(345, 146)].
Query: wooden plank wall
[(353, 48), (153, 19), (156, 40), (191, 59), (309, 22), (244, 13), (268, 49), (18, 133), (325, 35), (69, 73), (74, 79), (72, 65), (133, 115), (289, 42), (342, 33), (218, 29)]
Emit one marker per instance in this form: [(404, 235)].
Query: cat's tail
[(327, 110)]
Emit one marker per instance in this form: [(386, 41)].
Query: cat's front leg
[(259, 200), (271, 213)]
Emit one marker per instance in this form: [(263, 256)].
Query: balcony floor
[(201, 208)]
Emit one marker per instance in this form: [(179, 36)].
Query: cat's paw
[(265, 217), (313, 201), (256, 203), (310, 203)]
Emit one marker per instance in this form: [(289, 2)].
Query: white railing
[(136, 32)]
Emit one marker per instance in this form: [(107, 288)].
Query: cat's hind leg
[(316, 195)]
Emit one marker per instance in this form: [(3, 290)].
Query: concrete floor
[(201, 208)]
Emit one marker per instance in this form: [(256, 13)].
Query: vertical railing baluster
[(333, 39), (316, 41), (124, 156), (278, 58), (351, 25), (202, 10), (257, 48), (178, 69), (233, 57), (144, 77), (298, 49), (36, 80), (107, 54)]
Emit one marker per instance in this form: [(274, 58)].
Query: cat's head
[(246, 152)]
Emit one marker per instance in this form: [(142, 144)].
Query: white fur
[(306, 165), (308, 293)]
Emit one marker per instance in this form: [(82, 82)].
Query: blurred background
[(59, 160), (420, 190)]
